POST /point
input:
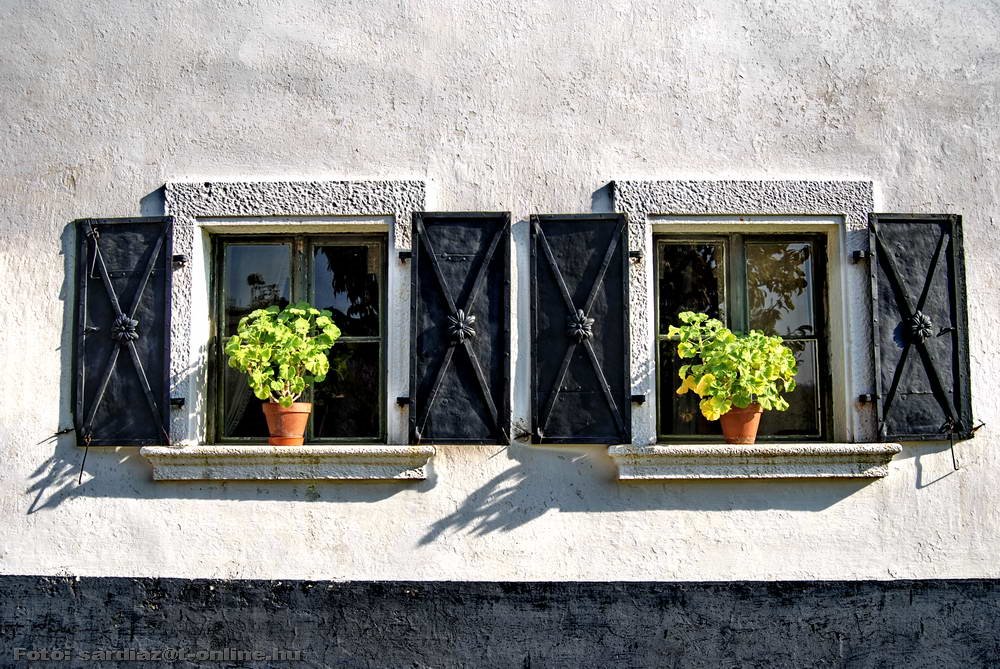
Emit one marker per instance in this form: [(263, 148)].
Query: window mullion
[(739, 318), (302, 291), (300, 271)]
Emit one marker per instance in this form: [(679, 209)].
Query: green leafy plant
[(734, 370), (283, 351)]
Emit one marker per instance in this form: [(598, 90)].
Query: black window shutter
[(122, 331), (460, 328), (921, 327), (580, 390)]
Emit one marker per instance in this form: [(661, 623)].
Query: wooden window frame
[(735, 311), (302, 288)]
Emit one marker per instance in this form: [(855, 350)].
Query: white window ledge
[(757, 461), (312, 462)]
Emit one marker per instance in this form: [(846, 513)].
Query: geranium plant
[(733, 370), (283, 351)]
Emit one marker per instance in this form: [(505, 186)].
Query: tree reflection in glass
[(780, 292), (777, 297), (346, 282), (779, 281)]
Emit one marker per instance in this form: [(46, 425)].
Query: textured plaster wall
[(496, 105)]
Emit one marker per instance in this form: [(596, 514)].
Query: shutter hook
[(86, 449), (949, 425)]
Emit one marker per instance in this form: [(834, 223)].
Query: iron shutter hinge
[(639, 399), (180, 259), (405, 255), (177, 402), (867, 398), (635, 255), (858, 256), (403, 401)]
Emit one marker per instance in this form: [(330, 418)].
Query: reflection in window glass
[(343, 275), (779, 288), (344, 404), (255, 276), (346, 281), (691, 279), (679, 414), (775, 290), (241, 412), (802, 417)]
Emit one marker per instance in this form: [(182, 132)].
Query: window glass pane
[(692, 278), (346, 281), (679, 414), (346, 404), (241, 413), (255, 276), (780, 288), (802, 418)]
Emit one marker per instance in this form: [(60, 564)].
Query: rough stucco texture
[(496, 105)]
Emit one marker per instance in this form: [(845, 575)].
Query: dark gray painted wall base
[(442, 624)]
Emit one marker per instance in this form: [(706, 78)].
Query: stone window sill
[(269, 463), (757, 461)]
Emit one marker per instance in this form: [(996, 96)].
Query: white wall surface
[(498, 105)]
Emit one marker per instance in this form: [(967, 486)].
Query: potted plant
[(283, 352), (737, 376)]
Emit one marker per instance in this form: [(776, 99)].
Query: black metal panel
[(581, 386), (460, 323), (122, 331), (921, 327)]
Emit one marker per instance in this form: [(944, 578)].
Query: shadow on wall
[(538, 480), (920, 450), (103, 472), (582, 479)]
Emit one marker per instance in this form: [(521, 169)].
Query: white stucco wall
[(527, 107)]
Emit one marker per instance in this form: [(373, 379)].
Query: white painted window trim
[(837, 208), (201, 209)]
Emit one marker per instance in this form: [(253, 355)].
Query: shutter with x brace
[(920, 326), (580, 330), (460, 320), (122, 333)]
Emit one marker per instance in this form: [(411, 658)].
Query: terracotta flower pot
[(287, 425), (739, 426)]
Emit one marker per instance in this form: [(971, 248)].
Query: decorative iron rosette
[(579, 326), (920, 326), (460, 326), (124, 329)]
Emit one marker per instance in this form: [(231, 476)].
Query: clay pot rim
[(294, 407), (753, 407)]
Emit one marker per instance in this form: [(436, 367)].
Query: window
[(344, 273), (772, 283)]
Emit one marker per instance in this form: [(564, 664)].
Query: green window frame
[(299, 272), (728, 271)]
